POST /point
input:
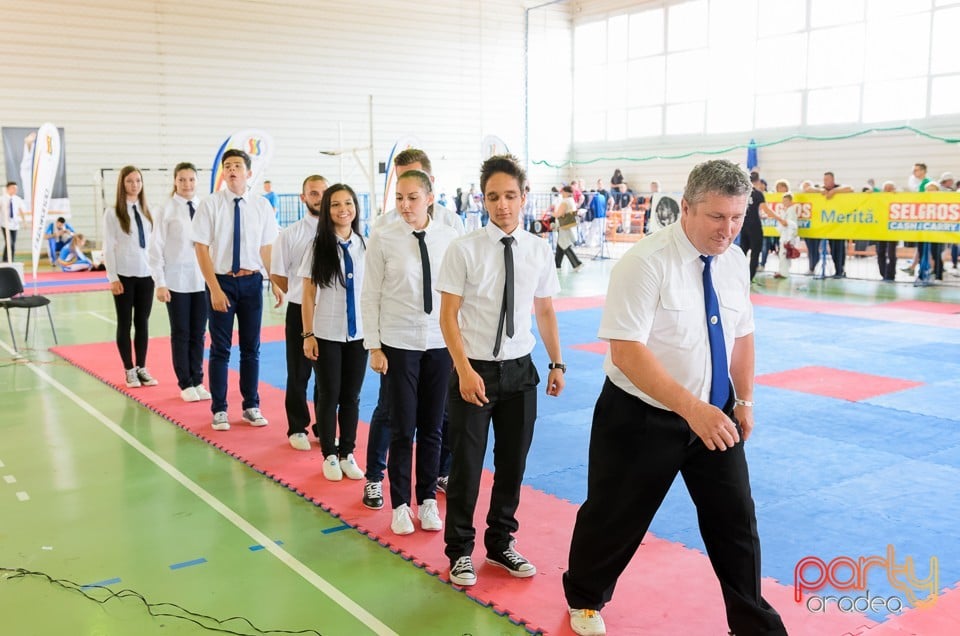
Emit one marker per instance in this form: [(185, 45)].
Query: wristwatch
[(307, 334), (740, 402), (557, 365)]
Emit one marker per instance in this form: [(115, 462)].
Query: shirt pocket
[(680, 318), (733, 306)]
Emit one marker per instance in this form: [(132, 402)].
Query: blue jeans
[(245, 295)]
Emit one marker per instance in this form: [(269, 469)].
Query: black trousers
[(813, 252), (751, 240), (133, 308), (340, 367), (636, 451), (188, 326), (569, 253), (299, 368), (418, 384), (511, 388), (838, 252), (887, 259), (9, 245)]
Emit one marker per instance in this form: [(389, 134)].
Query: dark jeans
[(636, 451), (133, 308), (299, 368), (511, 388), (245, 295), (418, 396), (751, 240), (339, 368), (838, 251), (813, 252), (188, 325), (887, 259), (9, 245)]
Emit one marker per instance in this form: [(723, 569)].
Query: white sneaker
[(300, 441), (350, 469), (220, 421), (202, 393), (402, 520), (133, 381), (587, 622), (189, 394), (331, 468), (145, 378), (429, 515), (254, 417)]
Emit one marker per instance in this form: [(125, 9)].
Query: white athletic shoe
[(429, 515), (300, 441), (220, 421)]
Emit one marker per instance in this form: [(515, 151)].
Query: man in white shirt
[(12, 211), (678, 398), (232, 232), (287, 256), (378, 439), (491, 280)]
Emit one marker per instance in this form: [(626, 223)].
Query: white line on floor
[(22, 496), (1, 463), (242, 524), (96, 314), (10, 479)]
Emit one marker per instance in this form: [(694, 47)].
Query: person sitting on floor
[(73, 259)]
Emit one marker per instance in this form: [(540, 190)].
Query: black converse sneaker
[(513, 562), (462, 572), (373, 495)]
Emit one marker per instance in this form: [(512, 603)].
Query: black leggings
[(133, 307)]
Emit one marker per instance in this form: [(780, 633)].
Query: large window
[(728, 66)]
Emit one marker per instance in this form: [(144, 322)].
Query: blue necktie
[(348, 284), (425, 265), (720, 382), (192, 211), (136, 217), (235, 265), (11, 208)]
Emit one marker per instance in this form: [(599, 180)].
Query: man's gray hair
[(717, 176)]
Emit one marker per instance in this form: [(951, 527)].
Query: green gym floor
[(97, 488)]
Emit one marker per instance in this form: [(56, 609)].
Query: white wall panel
[(153, 82)]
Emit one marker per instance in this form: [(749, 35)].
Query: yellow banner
[(932, 217)]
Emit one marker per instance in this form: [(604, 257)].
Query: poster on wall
[(259, 147), (18, 148), (664, 210)]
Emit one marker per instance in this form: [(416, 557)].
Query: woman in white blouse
[(179, 283), (332, 335), (126, 229), (401, 310)]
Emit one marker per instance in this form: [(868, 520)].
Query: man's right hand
[(218, 300), (472, 389), (713, 427)]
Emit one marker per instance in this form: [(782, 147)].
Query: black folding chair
[(11, 293)]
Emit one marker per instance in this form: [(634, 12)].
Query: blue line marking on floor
[(258, 547), (186, 564), (104, 583), (335, 529)]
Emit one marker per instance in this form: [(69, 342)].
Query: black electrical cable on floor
[(184, 614)]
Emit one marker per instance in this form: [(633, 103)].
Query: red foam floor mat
[(835, 383), (668, 589)]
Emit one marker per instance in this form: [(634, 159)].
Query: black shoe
[(513, 562), (442, 483), (373, 495), (462, 572)]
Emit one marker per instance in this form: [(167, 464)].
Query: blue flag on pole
[(752, 156)]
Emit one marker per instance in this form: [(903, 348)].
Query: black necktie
[(425, 263), (235, 265), (140, 235), (192, 211), (506, 307)]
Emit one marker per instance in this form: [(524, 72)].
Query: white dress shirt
[(330, 310), (656, 298), (287, 255), (170, 252), (441, 215), (122, 254), (474, 270), (392, 294), (18, 207), (213, 226)]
